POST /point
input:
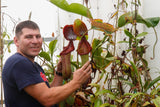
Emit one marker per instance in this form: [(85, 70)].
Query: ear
[(16, 41)]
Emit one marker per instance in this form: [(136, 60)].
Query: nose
[(35, 40)]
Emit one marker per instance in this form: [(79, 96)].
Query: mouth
[(35, 48)]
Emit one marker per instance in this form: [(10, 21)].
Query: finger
[(87, 69), (85, 65)]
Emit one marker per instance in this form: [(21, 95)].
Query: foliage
[(128, 84), (47, 58)]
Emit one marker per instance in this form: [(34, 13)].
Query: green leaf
[(101, 61), (107, 105), (153, 82), (156, 101), (45, 55), (129, 83), (97, 86), (98, 102), (123, 42), (73, 7), (133, 96), (146, 104), (142, 34), (112, 97), (52, 46), (102, 92), (134, 68), (128, 33), (152, 22), (129, 18)]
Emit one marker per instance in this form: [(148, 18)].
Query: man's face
[(29, 43)]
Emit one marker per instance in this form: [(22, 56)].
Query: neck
[(31, 58)]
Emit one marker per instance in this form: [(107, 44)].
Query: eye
[(29, 36), (38, 36)]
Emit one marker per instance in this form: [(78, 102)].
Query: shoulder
[(16, 59)]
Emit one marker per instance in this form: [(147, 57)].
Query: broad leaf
[(45, 55), (98, 102), (128, 33), (156, 101), (73, 7), (103, 92), (152, 22), (142, 34), (52, 46), (105, 27), (130, 17)]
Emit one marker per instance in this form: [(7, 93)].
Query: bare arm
[(49, 96)]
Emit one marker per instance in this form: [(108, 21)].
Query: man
[(25, 84)]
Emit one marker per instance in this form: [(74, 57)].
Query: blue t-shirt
[(19, 72)]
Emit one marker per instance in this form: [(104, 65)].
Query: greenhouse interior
[(93, 53)]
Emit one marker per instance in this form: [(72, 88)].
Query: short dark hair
[(25, 24)]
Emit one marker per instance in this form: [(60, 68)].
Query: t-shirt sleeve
[(25, 74)]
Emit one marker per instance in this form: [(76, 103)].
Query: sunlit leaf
[(146, 104), (98, 102), (152, 22), (45, 55), (73, 7), (94, 85), (128, 33), (105, 105), (105, 27), (142, 34), (103, 92), (123, 42), (133, 96), (129, 18), (156, 101), (52, 46)]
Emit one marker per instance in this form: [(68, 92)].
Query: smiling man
[(25, 84)]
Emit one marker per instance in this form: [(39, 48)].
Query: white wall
[(152, 9)]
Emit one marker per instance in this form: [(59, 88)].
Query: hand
[(81, 75)]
